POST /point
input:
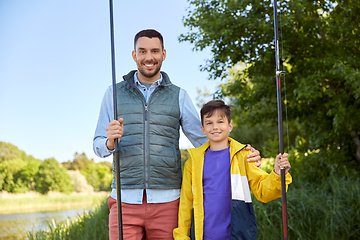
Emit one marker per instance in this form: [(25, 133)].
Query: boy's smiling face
[(217, 128)]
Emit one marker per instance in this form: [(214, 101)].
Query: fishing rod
[(116, 153), (280, 125)]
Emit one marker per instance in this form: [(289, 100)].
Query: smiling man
[(148, 54), (150, 112)]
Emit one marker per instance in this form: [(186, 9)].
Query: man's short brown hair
[(149, 33)]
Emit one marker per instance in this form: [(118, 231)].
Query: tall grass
[(91, 225), (328, 211), (14, 204)]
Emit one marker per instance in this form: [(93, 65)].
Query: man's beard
[(150, 74)]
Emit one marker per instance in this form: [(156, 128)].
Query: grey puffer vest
[(149, 148)]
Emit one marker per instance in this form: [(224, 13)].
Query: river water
[(16, 226)]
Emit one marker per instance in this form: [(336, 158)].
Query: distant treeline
[(21, 173)]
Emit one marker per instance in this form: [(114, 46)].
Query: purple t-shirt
[(217, 194)]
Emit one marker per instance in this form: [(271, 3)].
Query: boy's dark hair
[(209, 108), (149, 33)]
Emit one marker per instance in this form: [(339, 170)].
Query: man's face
[(148, 55)]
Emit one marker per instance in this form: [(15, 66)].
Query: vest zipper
[(146, 139), (146, 135), (146, 145), (146, 132)]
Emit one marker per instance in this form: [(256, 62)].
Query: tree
[(262, 134), (27, 174), (79, 182), (80, 162), (52, 177), (17, 170), (99, 176), (107, 164), (7, 171), (10, 152), (320, 54)]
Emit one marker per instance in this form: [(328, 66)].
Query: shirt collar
[(138, 83)]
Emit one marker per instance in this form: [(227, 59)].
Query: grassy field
[(32, 202), (90, 225)]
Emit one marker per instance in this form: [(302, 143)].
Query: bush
[(99, 176), (79, 182), (316, 166), (52, 177), (330, 210), (27, 174), (7, 171)]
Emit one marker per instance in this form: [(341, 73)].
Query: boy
[(216, 185)]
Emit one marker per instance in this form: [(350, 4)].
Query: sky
[(55, 66)]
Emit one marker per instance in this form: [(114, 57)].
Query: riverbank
[(33, 202), (90, 225)]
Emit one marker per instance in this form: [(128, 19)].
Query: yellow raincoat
[(244, 176)]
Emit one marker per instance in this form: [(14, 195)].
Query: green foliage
[(91, 225), (16, 169), (315, 167), (267, 164), (321, 202), (52, 177), (80, 162), (184, 157), (330, 210), (27, 174), (79, 182), (262, 133), (20, 173), (203, 96), (320, 55), (98, 175), (107, 164), (10, 152), (8, 169)]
